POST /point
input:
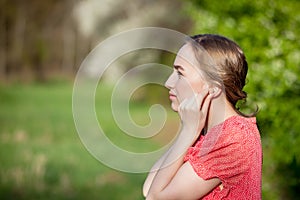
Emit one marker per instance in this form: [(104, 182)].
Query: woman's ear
[(215, 91)]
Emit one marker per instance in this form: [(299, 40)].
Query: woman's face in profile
[(186, 79)]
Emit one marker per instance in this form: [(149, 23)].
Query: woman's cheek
[(184, 90), (180, 92)]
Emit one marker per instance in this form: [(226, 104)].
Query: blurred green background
[(43, 44)]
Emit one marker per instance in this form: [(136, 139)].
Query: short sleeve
[(224, 153)]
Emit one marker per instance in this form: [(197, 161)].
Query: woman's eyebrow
[(178, 67)]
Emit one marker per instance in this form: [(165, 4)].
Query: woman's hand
[(193, 112)]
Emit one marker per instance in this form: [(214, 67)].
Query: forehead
[(186, 52), (186, 57)]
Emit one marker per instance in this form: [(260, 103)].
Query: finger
[(201, 96), (193, 102), (181, 105), (206, 104)]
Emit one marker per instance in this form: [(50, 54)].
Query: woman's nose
[(170, 83)]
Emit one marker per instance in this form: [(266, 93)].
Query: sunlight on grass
[(42, 157)]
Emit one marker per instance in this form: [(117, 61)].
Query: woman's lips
[(172, 96)]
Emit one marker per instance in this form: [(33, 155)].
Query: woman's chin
[(174, 107)]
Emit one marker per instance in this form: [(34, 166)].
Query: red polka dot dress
[(232, 152)]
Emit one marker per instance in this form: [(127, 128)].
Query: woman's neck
[(220, 110)]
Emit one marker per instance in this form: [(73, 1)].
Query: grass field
[(41, 155)]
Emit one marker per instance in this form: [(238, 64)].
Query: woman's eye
[(179, 73)]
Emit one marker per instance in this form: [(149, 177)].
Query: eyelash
[(179, 73)]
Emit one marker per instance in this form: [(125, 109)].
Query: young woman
[(217, 153)]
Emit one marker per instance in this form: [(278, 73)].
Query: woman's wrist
[(186, 137)]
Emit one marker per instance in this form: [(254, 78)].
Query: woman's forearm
[(162, 178), (167, 166), (153, 173)]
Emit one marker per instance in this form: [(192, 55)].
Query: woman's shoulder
[(238, 129), (240, 123)]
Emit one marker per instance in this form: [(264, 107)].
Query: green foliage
[(268, 33)]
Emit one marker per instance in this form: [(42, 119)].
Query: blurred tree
[(28, 34), (268, 33), (39, 38)]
